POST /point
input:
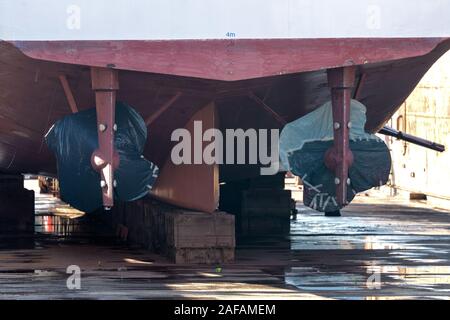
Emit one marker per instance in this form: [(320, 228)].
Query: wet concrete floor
[(376, 250)]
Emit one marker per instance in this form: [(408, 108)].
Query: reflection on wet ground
[(57, 221), (375, 251)]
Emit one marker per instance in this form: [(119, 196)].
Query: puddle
[(372, 252), (371, 256)]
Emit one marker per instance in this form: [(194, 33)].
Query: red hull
[(169, 81)]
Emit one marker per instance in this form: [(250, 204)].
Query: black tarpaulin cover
[(73, 139), (304, 142), (370, 168)]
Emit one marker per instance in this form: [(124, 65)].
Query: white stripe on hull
[(221, 19)]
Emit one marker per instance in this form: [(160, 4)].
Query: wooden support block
[(264, 212), (181, 235), (16, 206)]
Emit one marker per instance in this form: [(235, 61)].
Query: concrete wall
[(425, 113)]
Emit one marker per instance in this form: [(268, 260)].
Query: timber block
[(198, 237), (16, 205), (261, 205), (181, 235), (265, 211)]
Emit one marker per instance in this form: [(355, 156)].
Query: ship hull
[(168, 82)]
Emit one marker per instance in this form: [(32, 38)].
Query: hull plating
[(288, 74)]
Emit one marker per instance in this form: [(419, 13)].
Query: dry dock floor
[(402, 247)]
